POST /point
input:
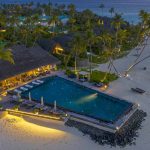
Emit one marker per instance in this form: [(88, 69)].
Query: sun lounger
[(29, 86), (28, 103), (138, 90), (82, 80), (38, 106), (45, 108), (23, 88), (36, 83), (41, 107), (72, 76), (99, 84), (16, 99), (17, 91), (40, 81)]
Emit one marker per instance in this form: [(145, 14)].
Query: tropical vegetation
[(96, 38)]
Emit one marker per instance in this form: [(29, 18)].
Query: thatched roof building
[(26, 59), (50, 44)]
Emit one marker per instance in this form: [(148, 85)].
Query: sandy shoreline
[(33, 134)]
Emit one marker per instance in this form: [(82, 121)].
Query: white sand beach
[(33, 134)]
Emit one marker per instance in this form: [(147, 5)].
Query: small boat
[(23, 88)]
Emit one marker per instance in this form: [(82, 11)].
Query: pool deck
[(110, 127), (94, 122), (102, 125)]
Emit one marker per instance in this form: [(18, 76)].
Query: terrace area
[(25, 106), (28, 66)]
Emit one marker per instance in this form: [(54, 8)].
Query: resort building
[(56, 45), (2, 30), (29, 64), (44, 19)]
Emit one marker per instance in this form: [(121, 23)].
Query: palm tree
[(145, 19), (122, 36), (2, 20), (144, 16), (144, 30), (5, 54), (111, 11), (117, 23), (101, 6), (38, 30), (72, 22), (78, 47), (109, 51), (14, 25), (91, 39), (72, 19), (62, 8), (54, 21), (72, 10)]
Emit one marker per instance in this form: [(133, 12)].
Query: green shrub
[(1, 107), (99, 76), (69, 72), (35, 111), (16, 107)]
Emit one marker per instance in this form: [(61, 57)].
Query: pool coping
[(113, 128), (110, 127), (101, 124), (80, 113)]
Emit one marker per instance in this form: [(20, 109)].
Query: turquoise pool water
[(79, 99)]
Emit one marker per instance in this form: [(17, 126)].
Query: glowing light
[(138, 105), (36, 128), (59, 48), (105, 86), (4, 94), (32, 114), (2, 30), (117, 128), (87, 98)]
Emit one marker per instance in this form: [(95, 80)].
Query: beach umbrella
[(42, 101), (18, 94), (19, 97), (54, 105), (29, 96)]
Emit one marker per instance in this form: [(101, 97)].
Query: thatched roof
[(26, 59), (63, 40)]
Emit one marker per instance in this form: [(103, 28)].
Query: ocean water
[(128, 8)]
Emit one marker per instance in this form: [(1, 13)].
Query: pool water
[(79, 99)]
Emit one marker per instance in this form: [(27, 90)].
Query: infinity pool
[(79, 99)]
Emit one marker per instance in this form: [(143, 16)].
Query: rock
[(125, 136)]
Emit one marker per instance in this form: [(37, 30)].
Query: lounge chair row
[(28, 86), (138, 90), (34, 105)]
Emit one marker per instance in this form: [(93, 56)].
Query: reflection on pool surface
[(79, 99)]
